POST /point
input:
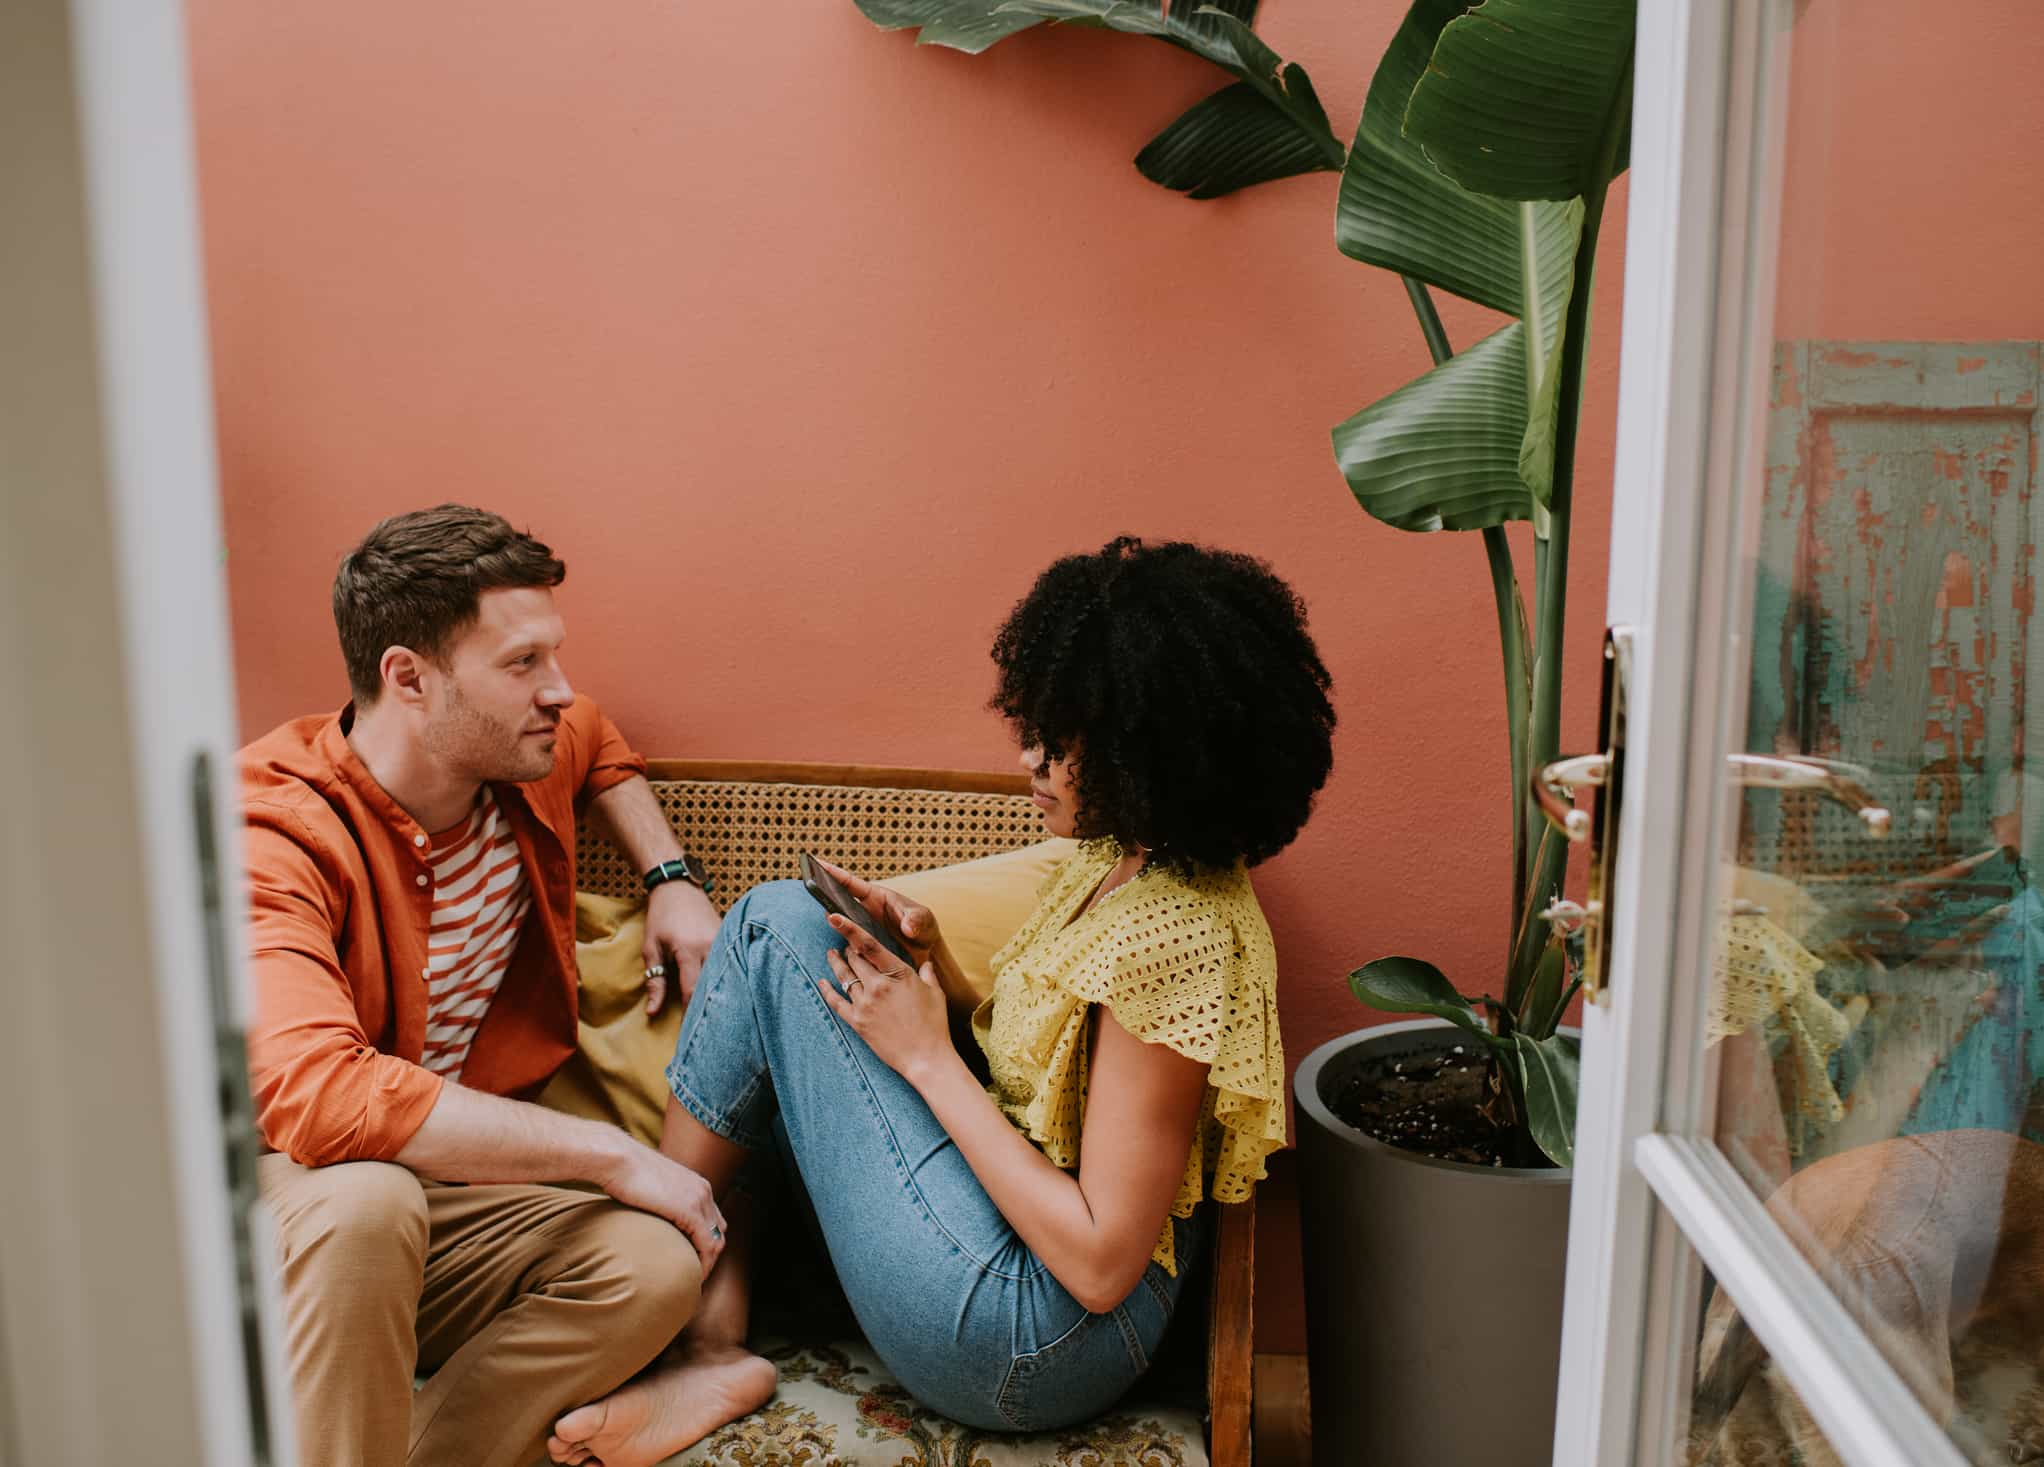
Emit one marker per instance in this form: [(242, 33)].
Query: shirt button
[(420, 878), (418, 840), (426, 973)]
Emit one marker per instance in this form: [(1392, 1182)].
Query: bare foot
[(698, 1388)]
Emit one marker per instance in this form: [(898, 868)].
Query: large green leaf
[(963, 25), (1442, 452), (974, 25), (1415, 986), (1197, 25), (1268, 125), (1231, 140), (1528, 99), (1549, 1070), (1398, 211)]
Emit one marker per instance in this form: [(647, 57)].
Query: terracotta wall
[(807, 348), (1913, 198)]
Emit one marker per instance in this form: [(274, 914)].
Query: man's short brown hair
[(415, 580)]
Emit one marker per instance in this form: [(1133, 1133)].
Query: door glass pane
[(1877, 1020), (1745, 1412)]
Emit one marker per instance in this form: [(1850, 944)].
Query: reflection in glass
[(1877, 1020)]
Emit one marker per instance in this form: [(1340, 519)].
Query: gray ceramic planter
[(1433, 1288)]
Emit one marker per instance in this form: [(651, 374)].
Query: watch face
[(697, 871)]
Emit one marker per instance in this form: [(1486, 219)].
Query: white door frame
[(121, 1331), (1650, 1184)]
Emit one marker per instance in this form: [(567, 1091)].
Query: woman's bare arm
[(1094, 1230)]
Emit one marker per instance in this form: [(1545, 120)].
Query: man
[(412, 872)]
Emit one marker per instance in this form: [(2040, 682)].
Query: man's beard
[(465, 738)]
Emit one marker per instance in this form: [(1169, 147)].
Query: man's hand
[(469, 1136), (654, 1182), (680, 926)]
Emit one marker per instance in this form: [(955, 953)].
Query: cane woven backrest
[(748, 822)]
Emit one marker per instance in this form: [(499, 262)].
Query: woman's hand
[(914, 924), (897, 1010)]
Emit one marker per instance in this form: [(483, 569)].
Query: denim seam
[(1003, 1401), (1158, 1290), (1131, 1341), (715, 1117), (712, 1118), (1016, 1376), (839, 1027), (1005, 1396)]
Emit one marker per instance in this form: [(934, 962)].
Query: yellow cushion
[(616, 1073), (979, 904)]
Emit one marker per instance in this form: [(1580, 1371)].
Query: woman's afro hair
[(1182, 685)]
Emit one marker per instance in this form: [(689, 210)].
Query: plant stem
[(1429, 319), (1511, 610), (1551, 589), (1551, 594)]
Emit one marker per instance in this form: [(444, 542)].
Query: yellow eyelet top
[(1187, 964)]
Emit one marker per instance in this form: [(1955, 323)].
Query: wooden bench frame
[(1231, 1298)]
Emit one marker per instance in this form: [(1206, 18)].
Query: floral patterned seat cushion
[(838, 1407)]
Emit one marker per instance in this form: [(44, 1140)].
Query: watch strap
[(687, 868)]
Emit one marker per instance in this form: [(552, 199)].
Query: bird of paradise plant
[(1481, 166)]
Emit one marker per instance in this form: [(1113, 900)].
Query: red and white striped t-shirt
[(480, 898)]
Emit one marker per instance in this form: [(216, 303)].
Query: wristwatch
[(688, 868)]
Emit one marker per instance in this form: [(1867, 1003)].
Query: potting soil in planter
[(1428, 1103)]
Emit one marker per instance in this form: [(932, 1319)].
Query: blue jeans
[(966, 1316)]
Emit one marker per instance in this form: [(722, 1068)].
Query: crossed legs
[(708, 1376), (520, 1299)]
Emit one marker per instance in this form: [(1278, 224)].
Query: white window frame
[(121, 1332)]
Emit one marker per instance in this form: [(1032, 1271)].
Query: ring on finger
[(658, 970), (855, 983)]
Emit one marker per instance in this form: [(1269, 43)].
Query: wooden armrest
[(1231, 1336)]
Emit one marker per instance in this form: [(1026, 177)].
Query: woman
[(1014, 1251)]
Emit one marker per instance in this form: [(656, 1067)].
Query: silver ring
[(658, 970), (851, 985), (717, 1234)]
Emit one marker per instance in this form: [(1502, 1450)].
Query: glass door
[(1809, 1214)]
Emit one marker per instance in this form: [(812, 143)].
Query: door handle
[(1553, 787), (1845, 783)]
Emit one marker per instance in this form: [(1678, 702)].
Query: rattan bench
[(748, 821)]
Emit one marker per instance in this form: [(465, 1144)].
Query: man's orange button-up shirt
[(339, 920)]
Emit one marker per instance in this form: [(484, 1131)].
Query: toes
[(580, 1425)]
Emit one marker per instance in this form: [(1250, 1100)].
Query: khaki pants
[(522, 1301)]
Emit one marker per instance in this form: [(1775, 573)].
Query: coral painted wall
[(807, 348), (1913, 173)]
